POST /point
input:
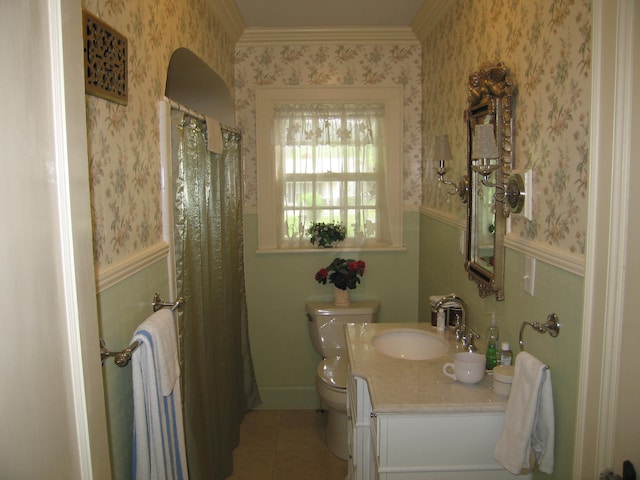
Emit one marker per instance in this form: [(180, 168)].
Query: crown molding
[(227, 12), (428, 17), (256, 36)]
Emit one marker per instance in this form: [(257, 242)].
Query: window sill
[(270, 251)]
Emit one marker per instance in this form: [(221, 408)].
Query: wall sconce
[(485, 150), (442, 155)]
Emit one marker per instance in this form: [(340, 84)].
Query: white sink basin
[(410, 344)]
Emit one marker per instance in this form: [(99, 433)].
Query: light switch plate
[(529, 277)]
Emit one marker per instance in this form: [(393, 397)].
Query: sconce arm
[(512, 193), (462, 188)]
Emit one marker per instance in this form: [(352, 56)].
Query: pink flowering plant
[(342, 273)]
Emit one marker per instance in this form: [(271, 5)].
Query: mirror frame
[(491, 92)]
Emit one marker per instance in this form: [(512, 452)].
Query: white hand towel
[(159, 446), (529, 418), (214, 135)]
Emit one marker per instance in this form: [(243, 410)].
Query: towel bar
[(551, 325), (158, 303), (122, 358)]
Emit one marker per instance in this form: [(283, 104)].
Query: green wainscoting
[(278, 284), (556, 290), (121, 308)]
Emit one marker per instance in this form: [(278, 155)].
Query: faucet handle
[(471, 335)]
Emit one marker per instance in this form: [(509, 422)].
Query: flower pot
[(341, 297)]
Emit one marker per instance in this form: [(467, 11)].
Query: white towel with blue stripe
[(158, 447)]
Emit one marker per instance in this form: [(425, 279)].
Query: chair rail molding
[(568, 261), (109, 275)]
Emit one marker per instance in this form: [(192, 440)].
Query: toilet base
[(337, 433)]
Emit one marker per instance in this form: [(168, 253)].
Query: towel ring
[(551, 325)]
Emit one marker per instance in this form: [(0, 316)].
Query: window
[(330, 154), (330, 158)]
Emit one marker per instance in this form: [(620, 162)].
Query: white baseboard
[(299, 397)]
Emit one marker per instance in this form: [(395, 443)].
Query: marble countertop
[(414, 386)]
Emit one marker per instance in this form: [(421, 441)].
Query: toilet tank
[(326, 323)]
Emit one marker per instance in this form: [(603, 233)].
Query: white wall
[(52, 405)]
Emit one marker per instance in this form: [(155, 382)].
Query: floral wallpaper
[(545, 43), (124, 150), (340, 64), (547, 46)]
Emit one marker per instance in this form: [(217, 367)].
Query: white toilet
[(326, 328)]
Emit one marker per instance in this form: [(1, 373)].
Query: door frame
[(609, 243), (75, 230)]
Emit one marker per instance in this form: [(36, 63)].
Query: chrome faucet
[(461, 320), (471, 336)]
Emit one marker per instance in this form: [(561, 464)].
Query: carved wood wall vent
[(105, 60)]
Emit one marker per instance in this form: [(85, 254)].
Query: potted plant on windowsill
[(326, 234), (345, 275)]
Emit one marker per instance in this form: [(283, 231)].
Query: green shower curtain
[(218, 377)]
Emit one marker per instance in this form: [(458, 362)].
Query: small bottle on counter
[(440, 320), (492, 344), (454, 314), (506, 356)]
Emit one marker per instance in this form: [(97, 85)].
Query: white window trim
[(267, 97)]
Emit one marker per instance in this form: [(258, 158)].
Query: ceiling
[(328, 13)]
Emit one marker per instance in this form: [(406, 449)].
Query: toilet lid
[(333, 371)]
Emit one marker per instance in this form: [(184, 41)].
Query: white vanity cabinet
[(361, 461), (409, 421), (420, 446), (437, 446)]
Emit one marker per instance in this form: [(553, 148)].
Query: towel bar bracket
[(158, 303), (121, 358), (551, 326)]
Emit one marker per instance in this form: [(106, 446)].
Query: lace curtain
[(330, 166)]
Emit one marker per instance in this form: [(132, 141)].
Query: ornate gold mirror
[(489, 118)]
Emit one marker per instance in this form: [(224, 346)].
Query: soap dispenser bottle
[(506, 356), (492, 344)]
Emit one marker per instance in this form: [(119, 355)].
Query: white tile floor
[(285, 445)]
